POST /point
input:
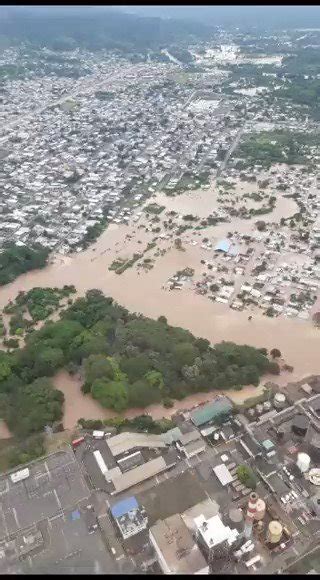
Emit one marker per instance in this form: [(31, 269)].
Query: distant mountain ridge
[(66, 27)]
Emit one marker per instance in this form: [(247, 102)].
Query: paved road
[(232, 148)]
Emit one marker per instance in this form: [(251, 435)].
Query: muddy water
[(4, 431), (298, 341), (79, 406), (201, 203)]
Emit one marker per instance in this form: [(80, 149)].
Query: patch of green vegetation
[(266, 148), (246, 476), (18, 324), (16, 260), (141, 424), (154, 208), (2, 328), (254, 196), (93, 233), (150, 246), (120, 265), (127, 360), (27, 450), (117, 264), (41, 302), (28, 408)]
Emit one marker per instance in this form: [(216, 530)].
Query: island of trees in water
[(126, 360)]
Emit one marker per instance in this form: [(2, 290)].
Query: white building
[(213, 535)]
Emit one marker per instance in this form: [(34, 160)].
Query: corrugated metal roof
[(123, 507), (138, 474), (223, 474), (127, 441), (210, 411)]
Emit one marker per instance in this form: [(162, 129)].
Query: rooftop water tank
[(236, 515), (260, 509), (303, 462), (274, 532), (279, 401)]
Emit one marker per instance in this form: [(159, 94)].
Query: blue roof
[(223, 245), (123, 507)]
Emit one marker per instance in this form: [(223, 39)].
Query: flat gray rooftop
[(54, 484)]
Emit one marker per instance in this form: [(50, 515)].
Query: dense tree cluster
[(141, 423), (26, 451), (246, 476), (15, 260), (39, 303), (270, 147), (127, 361), (28, 408)]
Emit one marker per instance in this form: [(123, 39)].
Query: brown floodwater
[(4, 431), (298, 340), (79, 406)]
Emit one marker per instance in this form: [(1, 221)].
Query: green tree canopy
[(111, 394), (135, 367), (48, 361), (246, 476), (34, 406), (142, 394), (184, 354), (97, 366)]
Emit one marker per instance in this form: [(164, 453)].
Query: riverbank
[(77, 405)]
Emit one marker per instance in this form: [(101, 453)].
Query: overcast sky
[(254, 15)]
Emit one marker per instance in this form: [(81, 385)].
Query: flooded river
[(79, 406), (298, 340)]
